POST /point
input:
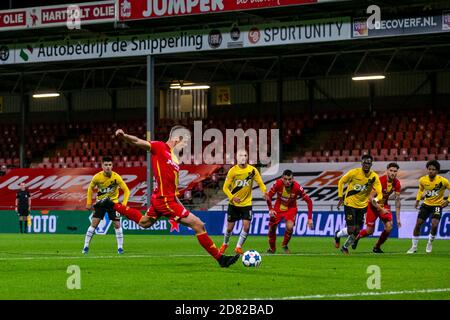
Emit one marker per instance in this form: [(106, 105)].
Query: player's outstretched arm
[(133, 140)]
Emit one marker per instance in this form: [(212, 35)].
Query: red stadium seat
[(380, 136), (423, 151), (387, 144), (406, 143), (422, 157), (367, 144)]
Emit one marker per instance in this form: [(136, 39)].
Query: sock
[(362, 233), (383, 237), (20, 226), (119, 237), (349, 241), (226, 238), (272, 237), (415, 241), (342, 233), (209, 245), (89, 234), (242, 238), (287, 238), (130, 213), (431, 238)]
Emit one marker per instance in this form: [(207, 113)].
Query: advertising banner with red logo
[(71, 15), (66, 189), (148, 9)]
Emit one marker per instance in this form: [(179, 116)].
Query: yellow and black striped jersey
[(107, 187), (433, 190), (359, 187), (241, 183)]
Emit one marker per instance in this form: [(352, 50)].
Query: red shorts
[(372, 215), (169, 207), (288, 215)]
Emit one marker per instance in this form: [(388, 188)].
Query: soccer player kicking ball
[(107, 183), (164, 201), (240, 177), (288, 191), (433, 187), (360, 182), (389, 184)]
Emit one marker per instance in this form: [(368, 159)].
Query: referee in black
[(23, 206)]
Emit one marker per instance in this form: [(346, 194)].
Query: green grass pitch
[(177, 268)]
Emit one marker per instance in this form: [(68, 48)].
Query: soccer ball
[(251, 258)]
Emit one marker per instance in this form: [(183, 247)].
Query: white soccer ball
[(251, 258)]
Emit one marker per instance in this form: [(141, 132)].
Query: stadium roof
[(414, 53)]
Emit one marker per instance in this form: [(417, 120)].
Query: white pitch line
[(358, 294)]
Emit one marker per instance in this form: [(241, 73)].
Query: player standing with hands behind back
[(433, 187), (288, 191), (23, 207), (107, 182), (240, 178)]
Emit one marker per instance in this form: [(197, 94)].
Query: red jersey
[(165, 169), (287, 197), (388, 187)]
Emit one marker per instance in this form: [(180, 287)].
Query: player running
[(433, 186), (288, 191), (240, 178), (360, 182), (107, 182), (389, 184), (164, 201)]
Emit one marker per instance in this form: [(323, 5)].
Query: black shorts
[(100, 214), (354, 216), (23, 212), (425, 211), (239, 213)]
